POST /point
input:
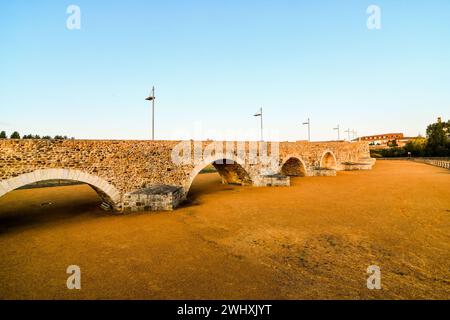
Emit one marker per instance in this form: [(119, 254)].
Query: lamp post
[(152, 99), (260, 114), (348, 133), (338, 132), (354, 134), (309, 128)]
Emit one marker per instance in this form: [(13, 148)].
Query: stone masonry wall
[(121, 167)]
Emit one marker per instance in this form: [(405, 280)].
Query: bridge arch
[(107, 192), (328, 160), (231, 169), (293, 166)]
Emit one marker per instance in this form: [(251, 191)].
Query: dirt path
[(314, 239)]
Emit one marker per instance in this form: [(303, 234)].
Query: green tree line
[(16, 135)]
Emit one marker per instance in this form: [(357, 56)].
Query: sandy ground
[(312, 240)]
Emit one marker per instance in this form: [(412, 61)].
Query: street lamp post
[(348, 133), (338, 132), (152, 99), (260, 114), (309, 128), (355, 134)]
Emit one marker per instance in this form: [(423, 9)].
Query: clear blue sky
[(214, 63)]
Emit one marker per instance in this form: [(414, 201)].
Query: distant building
[(386, 140), (382, 139)]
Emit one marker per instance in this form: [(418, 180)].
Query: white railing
[(434, 162)]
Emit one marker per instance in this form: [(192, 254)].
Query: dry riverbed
[(312, 240)]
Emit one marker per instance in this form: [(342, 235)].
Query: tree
[(59, 137), (416, 147), (3, 135), (438, 140), (15, 135)]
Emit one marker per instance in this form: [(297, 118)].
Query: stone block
[(155, 198)]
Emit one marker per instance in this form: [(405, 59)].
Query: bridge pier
[(324, 172), (155, 198), (361, 164), (275, 180)]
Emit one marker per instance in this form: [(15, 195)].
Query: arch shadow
[(107, 192), (293, 166), (231, 170)]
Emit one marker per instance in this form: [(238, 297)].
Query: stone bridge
[(142, 175)]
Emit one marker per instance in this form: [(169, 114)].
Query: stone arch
[(293, 166), (234, 172), (328, 160), (107, 192)]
